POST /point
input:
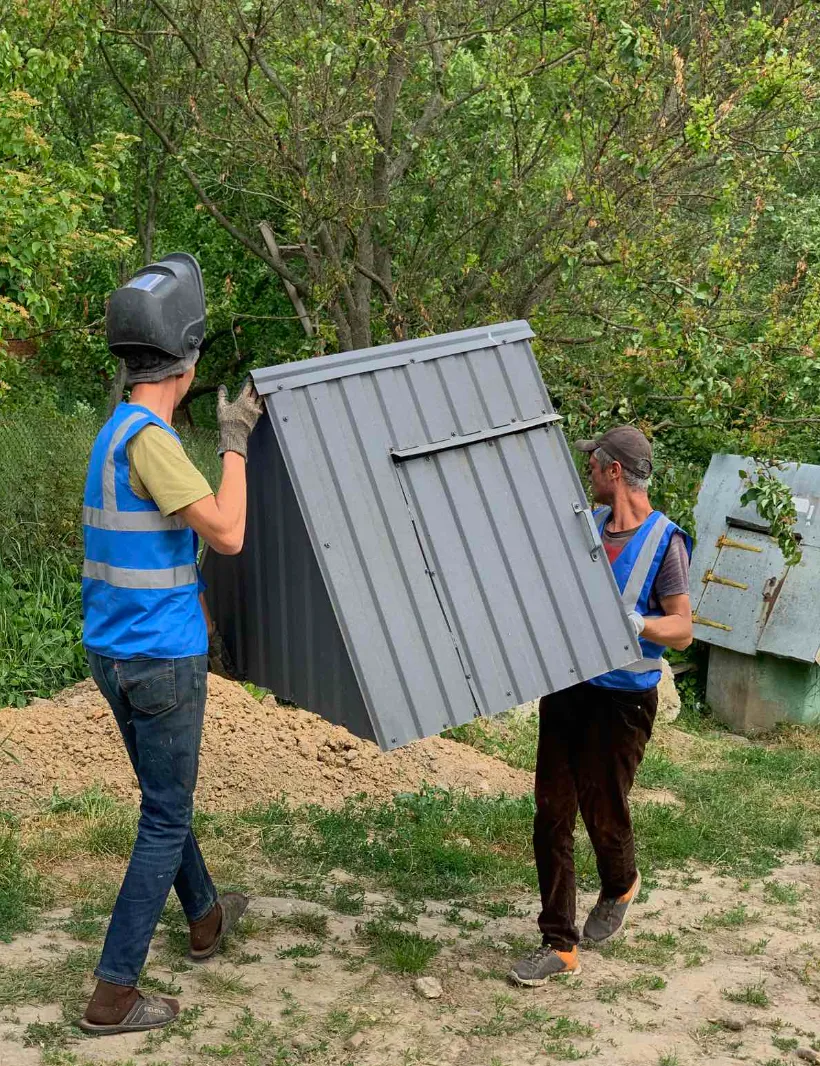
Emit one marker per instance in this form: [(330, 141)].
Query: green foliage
[(775, 503), (752, 995), (42, 468), (20, 888), (399, 950), (40, 625), (51, 190)]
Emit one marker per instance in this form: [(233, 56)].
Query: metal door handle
[(590, 528)]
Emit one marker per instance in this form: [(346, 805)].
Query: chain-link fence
[(43, 461)]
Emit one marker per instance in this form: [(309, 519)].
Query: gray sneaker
[(607, 917), (544, 963)]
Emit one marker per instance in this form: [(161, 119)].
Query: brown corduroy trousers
[(590, 744)]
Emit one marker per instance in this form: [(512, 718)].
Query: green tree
[(50, 191), (420, 166)]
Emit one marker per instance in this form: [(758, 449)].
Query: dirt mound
[(252, 752)]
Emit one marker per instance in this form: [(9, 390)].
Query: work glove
[(236, 420), (638, 622)]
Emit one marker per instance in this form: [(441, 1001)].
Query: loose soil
[(252, 752), (627, 1008), (696, 979)]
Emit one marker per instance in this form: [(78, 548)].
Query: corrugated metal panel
[(498, 526), (775, 612), (271, 606), (364, 360), (494, 521)]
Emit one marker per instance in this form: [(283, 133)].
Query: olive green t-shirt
[(161, 471)]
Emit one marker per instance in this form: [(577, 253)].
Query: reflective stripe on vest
[(107, 516), (122, 577), (643, 564), (645, 672), (130, 521), (140, 579)]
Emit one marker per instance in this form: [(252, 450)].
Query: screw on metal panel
[(571, 670), (285, 418), (469, 677), (626, 647), (412, 360), (393, 740), (280, 387), (326, 544), (427, 458), (454, 434), (508, 693)]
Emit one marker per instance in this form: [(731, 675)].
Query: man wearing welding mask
[(145, 633)]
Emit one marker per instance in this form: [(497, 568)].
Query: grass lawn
[(407, 880)]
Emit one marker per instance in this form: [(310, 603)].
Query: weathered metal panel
[(793, 627), (337, 451), (756, 565), (270, 603), (463, 588), (775, 613)]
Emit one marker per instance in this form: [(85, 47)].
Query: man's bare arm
[(220, 519), (674, 628)]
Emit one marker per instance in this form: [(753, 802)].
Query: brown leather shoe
[(233, 906)]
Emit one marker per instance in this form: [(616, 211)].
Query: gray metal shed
[(419, 548), (758, 615)]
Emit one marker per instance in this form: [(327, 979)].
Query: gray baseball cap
[(626, 444)]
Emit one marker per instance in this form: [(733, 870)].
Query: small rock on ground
[(428, 987), (734, 1025)]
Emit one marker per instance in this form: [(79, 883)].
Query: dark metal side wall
[(271, 605)]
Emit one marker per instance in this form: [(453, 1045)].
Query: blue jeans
[(159, 706)]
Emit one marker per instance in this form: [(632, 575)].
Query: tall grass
[(40, 623), (20, 888)]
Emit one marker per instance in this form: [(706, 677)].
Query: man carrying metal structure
[(145, 631), (592, 736)]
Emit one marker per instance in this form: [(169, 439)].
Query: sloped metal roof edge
[(342, 364)]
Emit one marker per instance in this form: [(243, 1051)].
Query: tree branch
[(196, 185), (166, 14), (295, 298)]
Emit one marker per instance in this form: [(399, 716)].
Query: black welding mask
[(156, 321)]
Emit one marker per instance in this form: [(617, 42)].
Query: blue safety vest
[(635, 570), (140, 577)]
